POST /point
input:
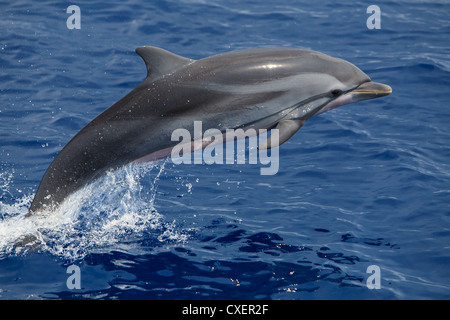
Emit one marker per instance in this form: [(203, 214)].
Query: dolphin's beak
[(370, 90), (365, 91)]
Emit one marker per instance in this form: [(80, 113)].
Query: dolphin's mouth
[(365, 91)]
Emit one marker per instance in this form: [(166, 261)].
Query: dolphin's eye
[(336, 92)]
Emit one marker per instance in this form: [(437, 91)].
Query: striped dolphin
[(260, 88)]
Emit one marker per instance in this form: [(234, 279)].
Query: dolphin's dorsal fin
[(287, 128), (160, 62)]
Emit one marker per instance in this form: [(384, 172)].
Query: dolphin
[(262, 88)]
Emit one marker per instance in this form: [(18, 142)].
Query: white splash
[(113, 211)]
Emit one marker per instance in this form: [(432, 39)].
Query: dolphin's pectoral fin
[(287, 128), (160, 62)]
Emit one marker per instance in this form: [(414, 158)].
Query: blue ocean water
[(363, 185)]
